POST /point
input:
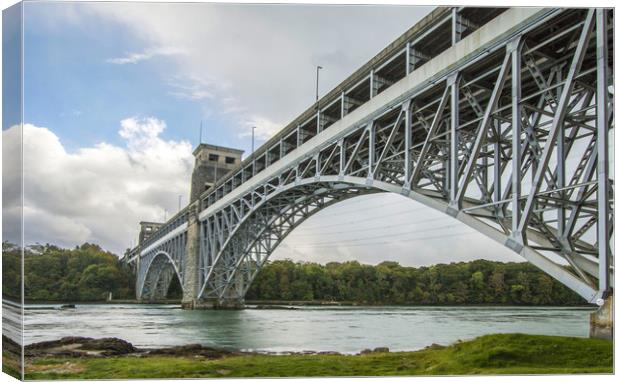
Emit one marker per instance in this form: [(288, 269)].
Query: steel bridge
[(500, 118)]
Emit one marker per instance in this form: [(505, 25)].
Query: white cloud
[(98, 193), (192, 87), (141, 132), (254, 63), (265, 128), (134, 58)]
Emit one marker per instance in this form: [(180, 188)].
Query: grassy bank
[(491, 354)]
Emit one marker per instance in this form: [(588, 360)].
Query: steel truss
[(157, 268), (514, 144)]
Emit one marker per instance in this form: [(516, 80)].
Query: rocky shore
[(113, 347)]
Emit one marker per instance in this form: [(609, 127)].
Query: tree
[(476, 282), (85, 272)]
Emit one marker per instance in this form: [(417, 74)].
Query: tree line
[(84, 273), (89, 273), (475, 282)]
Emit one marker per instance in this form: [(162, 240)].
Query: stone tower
[(212, 163)]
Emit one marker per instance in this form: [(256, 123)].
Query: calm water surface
[(343, 329)]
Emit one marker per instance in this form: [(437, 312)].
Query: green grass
[(491, 354)]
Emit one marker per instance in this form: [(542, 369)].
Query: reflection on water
[(343, 329)]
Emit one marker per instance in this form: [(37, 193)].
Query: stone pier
[(602, 321), (190, 278)]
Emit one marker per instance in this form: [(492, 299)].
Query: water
[(342, 329)]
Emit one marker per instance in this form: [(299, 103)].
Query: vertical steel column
[(453, 82), (372, 83), (456, 26), (497, 167), (342, 157), (408, 59), (317, 164), (560, 178), (558, 119), (371, 148), (281, 149), (407, 144), (602, 168)]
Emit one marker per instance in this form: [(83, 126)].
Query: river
[(342, 329)]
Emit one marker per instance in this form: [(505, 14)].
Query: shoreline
[(86, 358), (252, 304)]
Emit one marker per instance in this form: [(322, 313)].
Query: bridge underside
[(156, 287), (512, 138), (242, 256)]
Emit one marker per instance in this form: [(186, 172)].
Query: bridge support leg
[(190, 271), (234, 296), (602, 321)]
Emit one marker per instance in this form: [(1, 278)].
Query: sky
[(114, 94)]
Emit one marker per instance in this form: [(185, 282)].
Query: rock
[(275, 307), (381, 349), (67, 306), (80, 346), (192, 350), (110, 346)]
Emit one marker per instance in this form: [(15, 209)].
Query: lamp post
[(180, 197), (253, 128), (318, 67)]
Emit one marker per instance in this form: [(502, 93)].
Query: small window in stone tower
[(214, 157), (230, 160)]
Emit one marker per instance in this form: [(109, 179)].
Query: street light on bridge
[(318, 67)]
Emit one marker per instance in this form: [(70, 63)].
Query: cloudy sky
[(113, 98)]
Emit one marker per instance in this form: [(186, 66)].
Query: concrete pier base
[(231, 304), (213, 304), (602, 321)]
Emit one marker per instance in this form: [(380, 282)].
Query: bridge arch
[(157, 276), (259, 233), (483, 132)]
